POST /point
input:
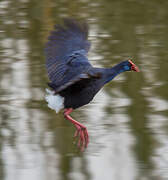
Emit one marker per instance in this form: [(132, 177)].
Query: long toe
[(83, 138), (86, 137), (77, 131)]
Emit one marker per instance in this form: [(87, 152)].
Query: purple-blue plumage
[(66, 53), (71, 74)]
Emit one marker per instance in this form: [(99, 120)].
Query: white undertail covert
[(55, 102)]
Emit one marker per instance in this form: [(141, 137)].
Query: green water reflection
[(127, 120)]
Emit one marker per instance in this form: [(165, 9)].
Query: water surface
[(127, 120)]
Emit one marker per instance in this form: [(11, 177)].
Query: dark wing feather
[(66, 53)]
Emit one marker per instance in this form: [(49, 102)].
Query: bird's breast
[(79, 98)]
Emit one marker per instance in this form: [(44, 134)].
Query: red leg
[(81, 130)]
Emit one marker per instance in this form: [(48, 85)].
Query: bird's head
[(130, 66)]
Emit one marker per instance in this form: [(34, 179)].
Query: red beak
[(134, 67)]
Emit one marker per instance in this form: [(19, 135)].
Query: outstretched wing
[(66, 53)]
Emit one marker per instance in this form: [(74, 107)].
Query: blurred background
[(128, 119)]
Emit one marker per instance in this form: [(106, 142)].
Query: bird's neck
[(114, 71)]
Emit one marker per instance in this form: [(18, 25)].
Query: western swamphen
[(73, 80)]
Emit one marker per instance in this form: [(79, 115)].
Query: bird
[(73, 81)]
